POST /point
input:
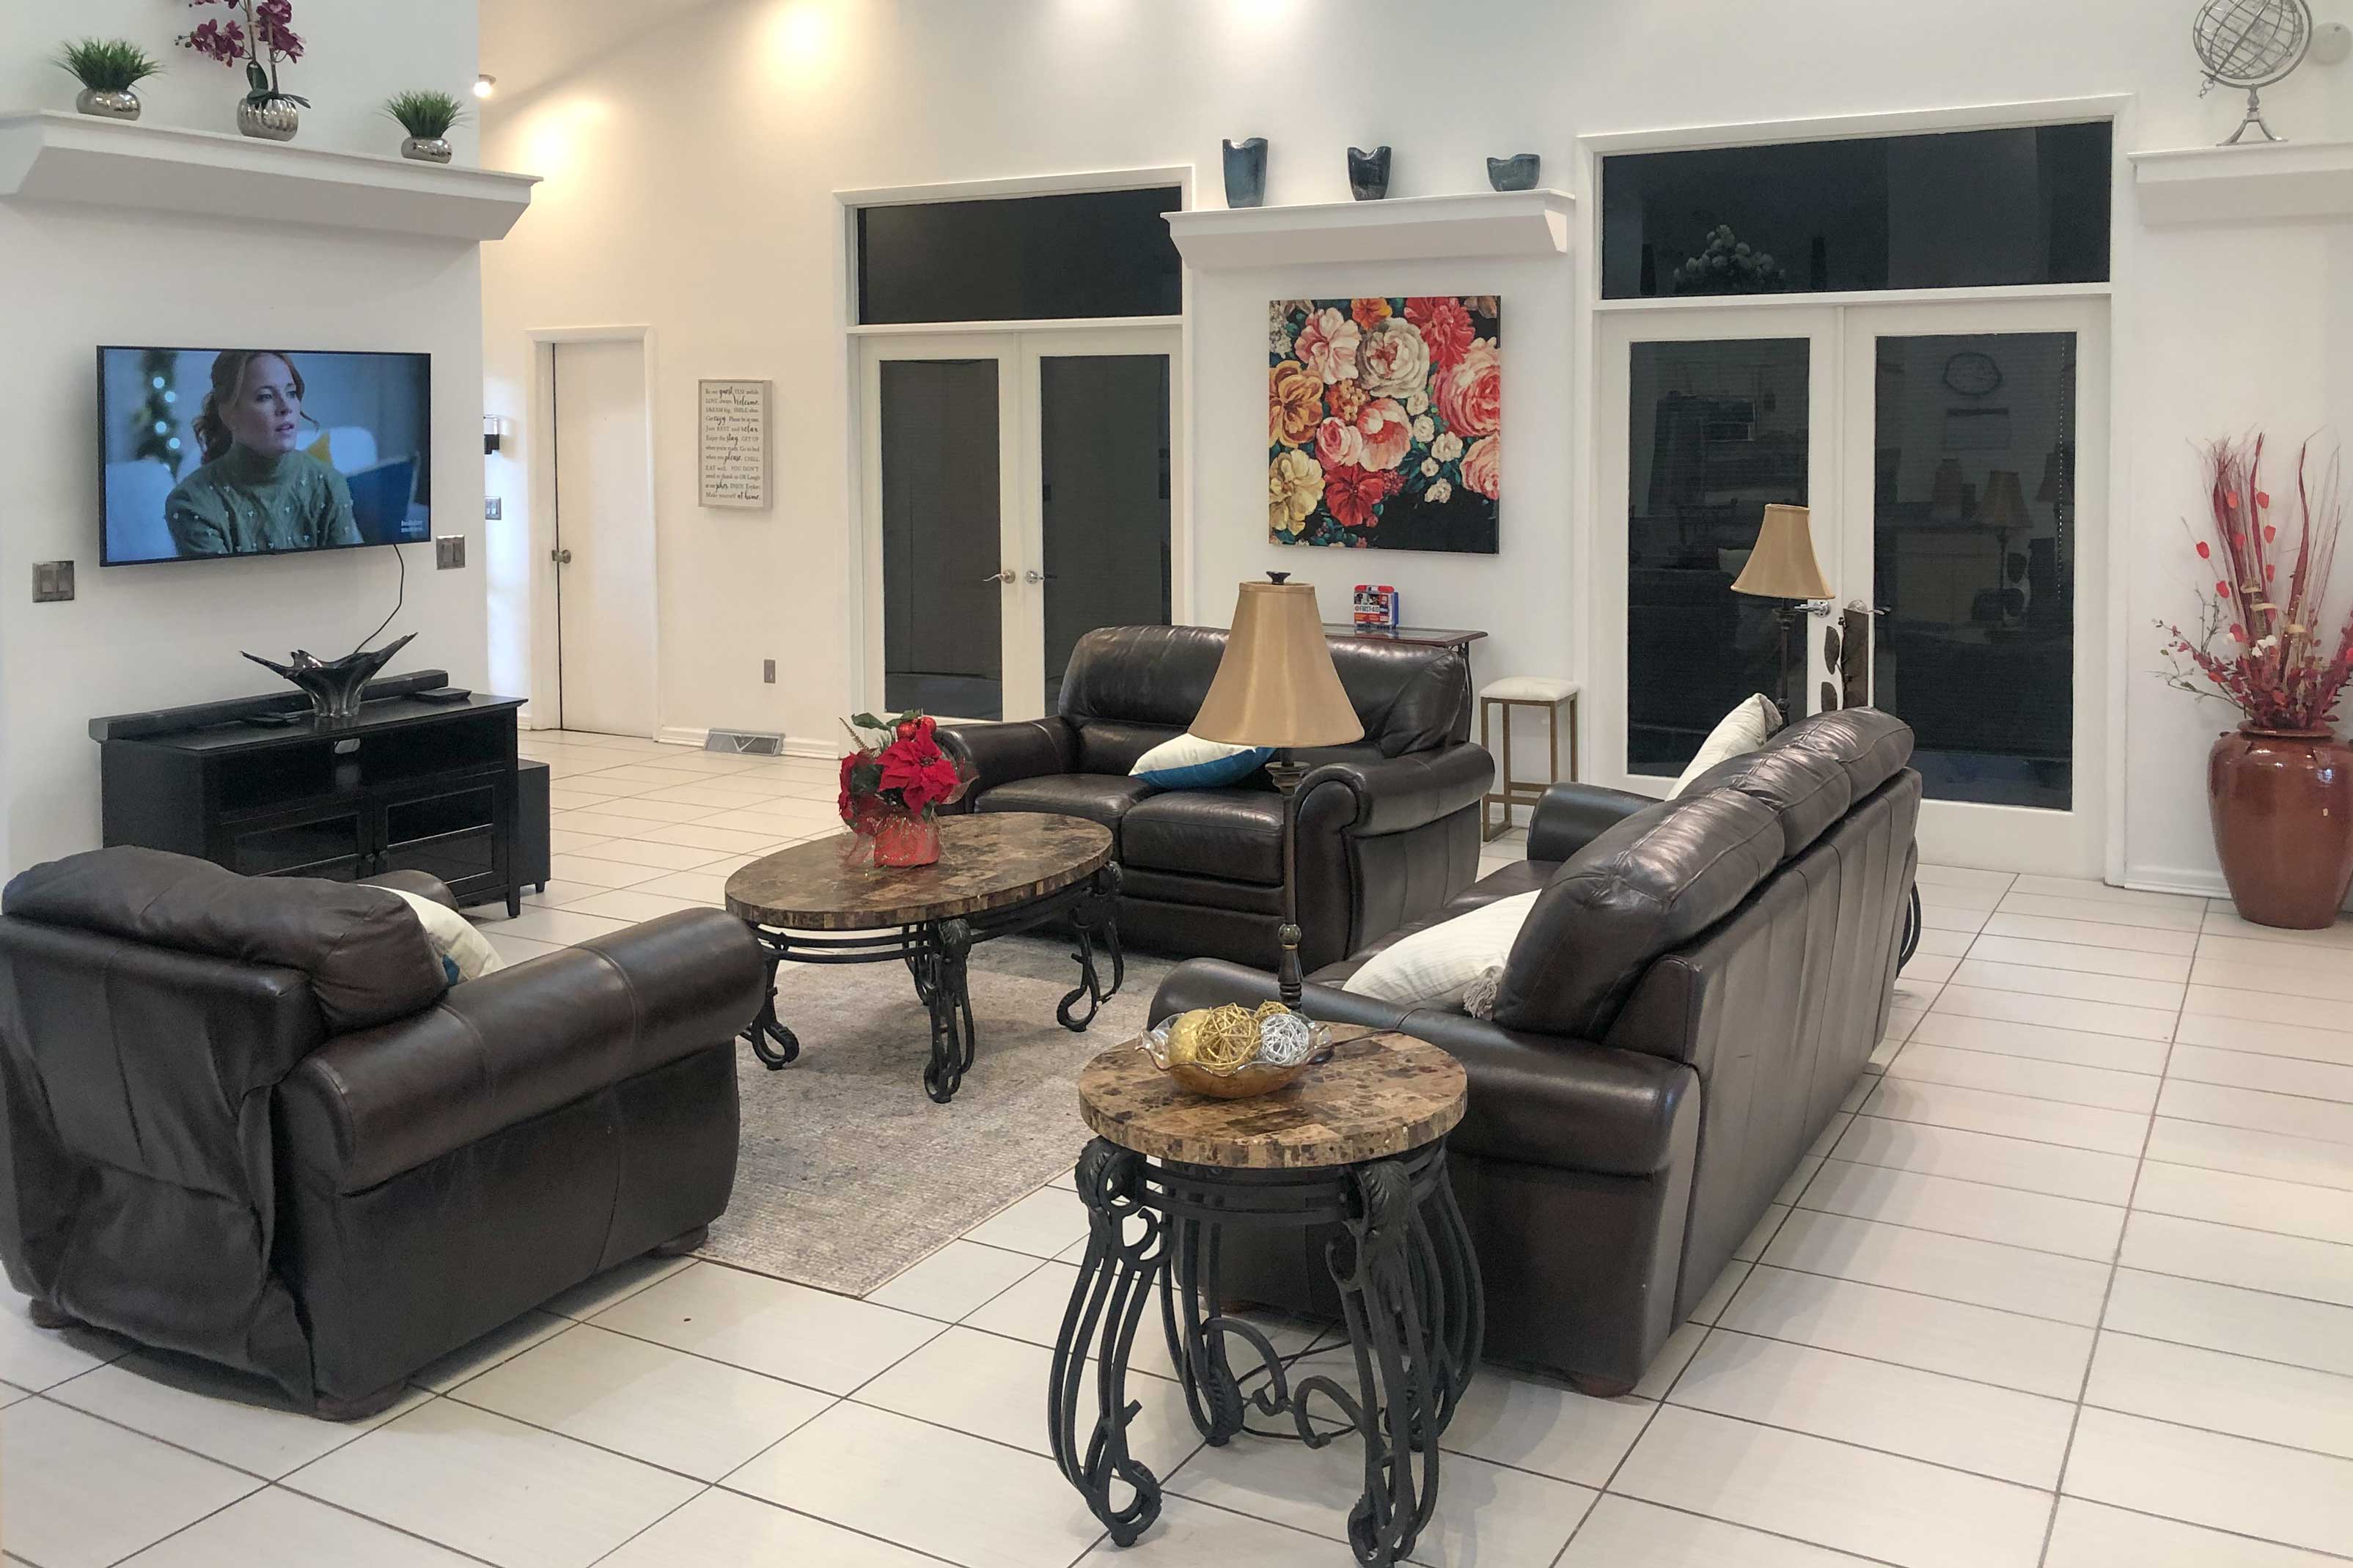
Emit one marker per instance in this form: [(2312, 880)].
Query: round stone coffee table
[(998, 874), (1358, 1142)]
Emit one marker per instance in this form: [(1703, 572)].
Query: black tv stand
[(406, 785)]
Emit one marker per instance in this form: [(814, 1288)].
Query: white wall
[(689, 189), (74, 277)]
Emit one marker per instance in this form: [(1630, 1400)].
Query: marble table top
[(1380, 1094), (991, 861)]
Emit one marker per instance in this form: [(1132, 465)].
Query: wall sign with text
[(733, 445)]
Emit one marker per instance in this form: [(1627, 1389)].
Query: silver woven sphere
[(2251, 44)]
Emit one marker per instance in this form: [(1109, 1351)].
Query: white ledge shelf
[(1402, 228), (48, 156), (2272, 181)]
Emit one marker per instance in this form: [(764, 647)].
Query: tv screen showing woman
[(263, 451)]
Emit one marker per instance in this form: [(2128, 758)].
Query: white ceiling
[(526, 43)]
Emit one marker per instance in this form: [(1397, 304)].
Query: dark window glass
[(1964, 208), (1021, 259), (1974, 527), (1718, 429), (1105, 427), (942, 608)]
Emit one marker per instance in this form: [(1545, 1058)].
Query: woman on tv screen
[(259, 490)]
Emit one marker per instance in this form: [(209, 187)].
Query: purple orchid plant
[(262, 39)]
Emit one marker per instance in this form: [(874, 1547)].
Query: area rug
[(850, 1174)]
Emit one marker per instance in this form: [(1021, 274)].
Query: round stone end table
[(826, 902), (1358, 1144)]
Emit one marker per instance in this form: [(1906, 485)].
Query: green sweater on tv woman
[(244, 503)]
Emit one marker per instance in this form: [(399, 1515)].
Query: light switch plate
[(53, 582), (450, 551)]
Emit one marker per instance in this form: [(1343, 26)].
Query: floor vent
[(745, 743)]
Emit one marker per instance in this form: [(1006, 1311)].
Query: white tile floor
[(2071, 1285)]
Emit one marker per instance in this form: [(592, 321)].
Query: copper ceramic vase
[(2281, 803)]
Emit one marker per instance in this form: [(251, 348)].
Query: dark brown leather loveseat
[(249, 1119), (1698, 985), (1389, 827)]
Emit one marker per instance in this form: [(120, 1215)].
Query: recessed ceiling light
[(485, 85)]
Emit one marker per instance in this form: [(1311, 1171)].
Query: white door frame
[(1614, 335), (1840, 440), (1021, 507), (546, 675)]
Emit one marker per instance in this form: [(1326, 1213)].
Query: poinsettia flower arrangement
[(897, 769), (2262, 643), (1385, 410), (258, 35)]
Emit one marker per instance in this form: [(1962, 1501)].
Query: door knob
[(560, 557), (1038, 577), (1005, 577)]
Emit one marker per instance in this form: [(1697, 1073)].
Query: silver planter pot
[(428, 149), (107, 105), (273, 121)]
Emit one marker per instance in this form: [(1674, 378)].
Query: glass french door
[(1019, 491), (1954, 457)]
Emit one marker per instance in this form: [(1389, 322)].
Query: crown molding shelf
[(1403, 228), (49, 156), (2274, 181)]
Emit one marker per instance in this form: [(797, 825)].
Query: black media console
[(408, 785)]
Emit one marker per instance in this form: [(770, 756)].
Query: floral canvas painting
[(1385, 422)]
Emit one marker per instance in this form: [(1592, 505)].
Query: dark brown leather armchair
[(249, 1119), (1389, 827), (1697, 987)]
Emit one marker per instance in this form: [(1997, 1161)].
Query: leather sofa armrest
[(1605, 1110), (422, 883), (1572, 815), (1214, 982), (518, 1043), (992, 754), (1397, 794)]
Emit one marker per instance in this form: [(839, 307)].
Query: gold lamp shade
[(1276, 686), (1783, 566)]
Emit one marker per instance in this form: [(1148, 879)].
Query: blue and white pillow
[(1190, 763)]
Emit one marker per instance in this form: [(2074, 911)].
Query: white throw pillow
[(1743, 730), (1465, 954), (1190, 763), (452, 936)]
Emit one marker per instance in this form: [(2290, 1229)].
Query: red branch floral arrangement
[(2259, 643), (897, 769), (261, 39)]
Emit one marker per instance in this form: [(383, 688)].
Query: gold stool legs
[(1520, 792)]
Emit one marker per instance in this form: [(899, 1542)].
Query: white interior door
[(1018, 489), (604, 550), (1976, 485), (1706, 417)]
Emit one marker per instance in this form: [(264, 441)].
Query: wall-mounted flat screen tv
[(215, 452)]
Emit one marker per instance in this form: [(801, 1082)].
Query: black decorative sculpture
[(1368, 173), (335, 685), (1246, 173), (1517, 173)]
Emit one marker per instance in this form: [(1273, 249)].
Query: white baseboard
[(682, 735), (686, 735), (2197, 882)]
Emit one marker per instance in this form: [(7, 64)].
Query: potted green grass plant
[(107, 68), (427, 116)]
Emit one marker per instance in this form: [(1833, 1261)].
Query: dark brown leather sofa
[(1695, 990), (249, 1119), (1389, 827)]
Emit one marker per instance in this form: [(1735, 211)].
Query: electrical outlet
[(494, 510), (450, 551), (53, 582), (768, 670)]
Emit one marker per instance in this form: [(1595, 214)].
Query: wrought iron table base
[(934, 952), (1408, 1287)]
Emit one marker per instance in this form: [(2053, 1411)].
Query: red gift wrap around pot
[(903, 840), (2281, 803)]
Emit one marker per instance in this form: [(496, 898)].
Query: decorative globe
[(2252, 43)]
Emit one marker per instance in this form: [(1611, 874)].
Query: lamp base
[(1289, 985)]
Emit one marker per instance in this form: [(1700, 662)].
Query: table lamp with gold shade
[(1277, 687), (1783, 566)]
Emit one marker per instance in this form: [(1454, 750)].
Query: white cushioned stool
[(1523, 691)]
